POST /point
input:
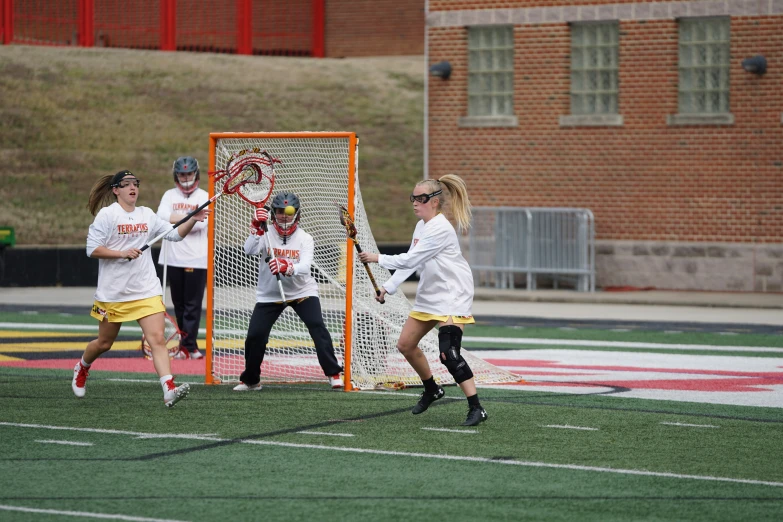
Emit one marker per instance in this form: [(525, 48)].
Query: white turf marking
[(567, 427), (65, 442), (84, 514), (690, 425), (459, 458), (325, 433), (621, 344), (450, 431)]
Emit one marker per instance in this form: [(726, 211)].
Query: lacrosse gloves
[(258, 225), (281, 266)]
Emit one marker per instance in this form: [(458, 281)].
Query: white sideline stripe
[(65, 442), (450, 430), (690, 425), (326, 433), (567, 427), (461, 458), (85, 514), (622, 344), (499, 340)]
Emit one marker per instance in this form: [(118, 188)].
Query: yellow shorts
[(456, 319), (127, 311)]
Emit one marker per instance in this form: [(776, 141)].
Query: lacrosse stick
[(350, 229), (245, 171), (256, 196)]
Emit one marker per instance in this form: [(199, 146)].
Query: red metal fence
[(290, 28)]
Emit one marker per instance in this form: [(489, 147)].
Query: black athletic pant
[(265, 315), (187, 293)]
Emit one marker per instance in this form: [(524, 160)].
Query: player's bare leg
[(413, 331), (153, 328)]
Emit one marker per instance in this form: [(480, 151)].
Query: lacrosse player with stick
[(186, 261), (128, 291), (291, 257), (444, 296)]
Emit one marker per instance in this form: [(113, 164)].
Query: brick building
[(648, 113)]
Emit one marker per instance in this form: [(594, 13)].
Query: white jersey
[(298, 249), (445, 279), (191, 252), (120, 280)]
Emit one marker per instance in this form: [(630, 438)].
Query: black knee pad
[(450, 343)]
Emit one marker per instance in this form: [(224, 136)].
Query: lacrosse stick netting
[(320, 168)]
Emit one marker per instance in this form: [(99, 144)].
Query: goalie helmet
[(186, 165), (286, 224)]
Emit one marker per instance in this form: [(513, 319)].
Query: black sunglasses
[(423, 198)]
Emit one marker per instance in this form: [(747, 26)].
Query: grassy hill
[(68, 116)]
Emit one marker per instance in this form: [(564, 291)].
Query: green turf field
[(305, 452)]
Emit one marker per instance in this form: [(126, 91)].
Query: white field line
[(498, 340), (622, 344), (458, 458), (326, 433), (567, 427), (447, 430), (84, 514), (690, 425), (65, 442)]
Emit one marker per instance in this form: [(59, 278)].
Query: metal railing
[(504, 242)]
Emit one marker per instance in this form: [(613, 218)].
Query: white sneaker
[(79, 382), (174, 394), (244, 387), (196, 354), (336, 381)]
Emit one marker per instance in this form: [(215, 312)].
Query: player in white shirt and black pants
[(293, 249), (128, 287), (186, 260), (444, 297)]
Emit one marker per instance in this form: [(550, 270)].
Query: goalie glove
[(281, 266), (258, 225)]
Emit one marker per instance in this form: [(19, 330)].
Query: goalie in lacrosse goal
[(321, 168)]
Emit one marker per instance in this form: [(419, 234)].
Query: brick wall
[(645, 180), (374, 28)]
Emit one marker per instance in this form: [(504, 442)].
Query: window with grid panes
[(490, 71), (704, 65), (594, 68)]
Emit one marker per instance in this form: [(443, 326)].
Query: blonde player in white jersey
[(186, 260), (293, 255), (128, 287), (444, 296)]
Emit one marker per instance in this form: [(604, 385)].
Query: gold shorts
[(456, 319), (127, 311)]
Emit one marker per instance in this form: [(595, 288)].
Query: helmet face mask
[(284, 224), (183, 167)]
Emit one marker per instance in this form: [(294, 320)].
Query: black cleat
[(475, 416), (426, 399)]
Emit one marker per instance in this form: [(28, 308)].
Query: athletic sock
[(164, 380), (473, 401), (84, 364), (430, 386)]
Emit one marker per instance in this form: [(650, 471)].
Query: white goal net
[(320, 168)]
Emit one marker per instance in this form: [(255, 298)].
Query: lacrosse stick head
[(250, 174), (171, 333), (347, 222)]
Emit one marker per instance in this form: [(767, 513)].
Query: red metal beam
[(86, 23), (319, 23), (8, 21), (244, 27)]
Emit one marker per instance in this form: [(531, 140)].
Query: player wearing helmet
[(187, 260), (293, 254)]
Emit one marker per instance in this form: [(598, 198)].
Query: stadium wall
[(678, 204), (333, 29)]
